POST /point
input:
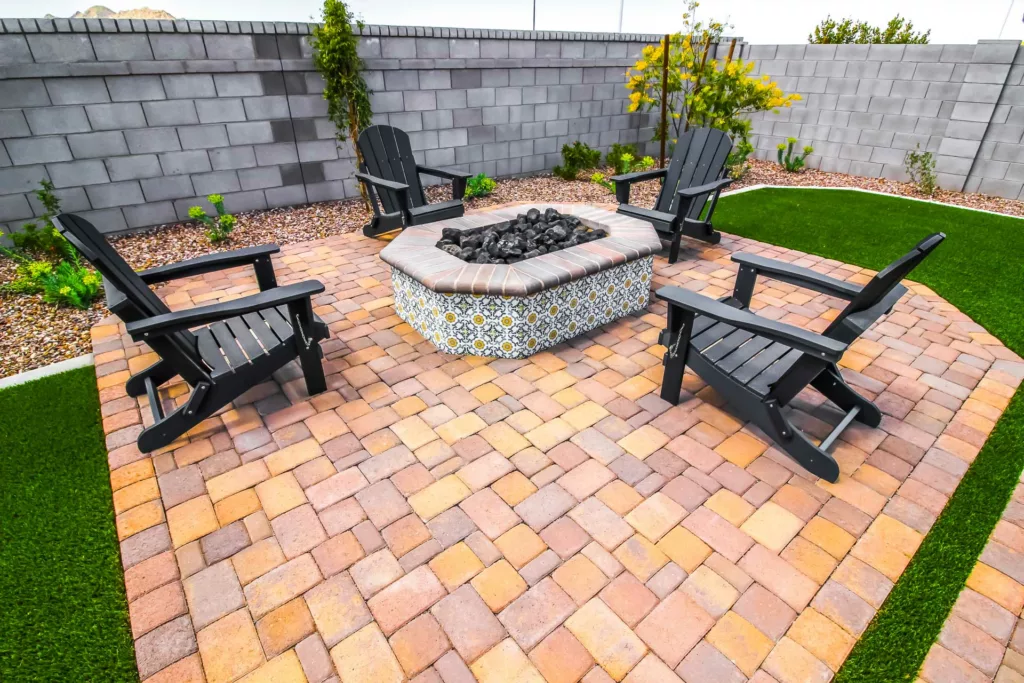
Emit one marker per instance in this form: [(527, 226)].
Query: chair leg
[(160, 371), (833, 387)]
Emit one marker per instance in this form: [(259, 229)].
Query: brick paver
[(447, 518)]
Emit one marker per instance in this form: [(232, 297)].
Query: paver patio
[(446, 518)]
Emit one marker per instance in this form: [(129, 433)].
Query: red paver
[(304, 532)]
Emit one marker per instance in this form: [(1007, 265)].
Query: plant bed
[(513, 310)]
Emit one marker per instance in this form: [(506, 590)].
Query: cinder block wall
[(135, 121), (865, 106)]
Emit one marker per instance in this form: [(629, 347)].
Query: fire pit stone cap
[(413, 253)]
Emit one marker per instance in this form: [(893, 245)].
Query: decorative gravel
[(34, 333)]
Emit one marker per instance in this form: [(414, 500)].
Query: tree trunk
[(353, 133)]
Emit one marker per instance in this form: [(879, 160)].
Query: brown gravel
[(34, 333)]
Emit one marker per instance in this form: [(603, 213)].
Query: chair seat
[(747, 358), (239, 342), (428, 213)]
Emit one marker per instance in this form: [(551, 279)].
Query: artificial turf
[(979, 270), (64, 616)]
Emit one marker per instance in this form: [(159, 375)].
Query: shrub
[(614, 156), (575, 158), (791, 161), (701, 91), (217, 229), (479, 186), (628, 163), (736, 163), (921, 169), (897, 31)]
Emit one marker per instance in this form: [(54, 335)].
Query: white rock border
[(46, 371)]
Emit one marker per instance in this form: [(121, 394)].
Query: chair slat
[(228, 345)]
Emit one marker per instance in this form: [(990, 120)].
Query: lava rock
[(526, 236)]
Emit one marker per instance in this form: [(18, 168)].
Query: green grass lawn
[(979, 270), (64, 616)]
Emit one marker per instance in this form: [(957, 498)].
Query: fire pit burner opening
[(528, 235)]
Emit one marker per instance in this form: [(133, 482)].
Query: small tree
[(701, 91), (336, 57), (897, 31)]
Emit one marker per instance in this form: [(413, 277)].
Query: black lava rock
[(526, 236)]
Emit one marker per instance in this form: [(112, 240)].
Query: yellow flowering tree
[(701, 91)]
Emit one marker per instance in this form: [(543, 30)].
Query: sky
[(758, 21)]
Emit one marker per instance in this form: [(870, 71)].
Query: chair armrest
[(795, 337), (798, 275), (458, 178), (714, 186), (380, 182), (207, 264), (203, 315), (441, 173), (625, 181)]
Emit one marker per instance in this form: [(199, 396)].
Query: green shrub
[(792, 162), (614, 156), (736, 163), (575, 158), (480, 186), (921, 169), (217, 229), (629, 164)]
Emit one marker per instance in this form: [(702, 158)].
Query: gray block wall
[(865, 106), (135, 121)]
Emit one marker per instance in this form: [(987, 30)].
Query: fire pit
[(538, 288)]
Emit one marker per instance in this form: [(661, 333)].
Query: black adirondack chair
[(759, 365), (392, 180), (243, 342), (692, 180)]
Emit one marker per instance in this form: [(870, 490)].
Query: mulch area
[(34, 333)]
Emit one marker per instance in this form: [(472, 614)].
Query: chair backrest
[(178, 348), (880, 293), (698, 158), (387, 154)]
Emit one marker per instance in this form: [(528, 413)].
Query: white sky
[(759, 21)]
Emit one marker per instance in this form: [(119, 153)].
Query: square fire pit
[(515, 310)]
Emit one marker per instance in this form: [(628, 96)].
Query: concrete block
[(438, 119), (987, 73), (384, 102), (468, 117), (39, 150), (424, 139), (909, 89), (238, 85), (452, 99), (188, 86), (435, 79), (276, 154), (14, 50), (939, 71), (149, 214), (44, 121), (133, 167), (973, 111), (177, 46), (78, 173), (494, 78), (397, 48), (266, 108), (959, 148), (98, 145), (229, 47), (180, 163), (63, 48), (115, 194)]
